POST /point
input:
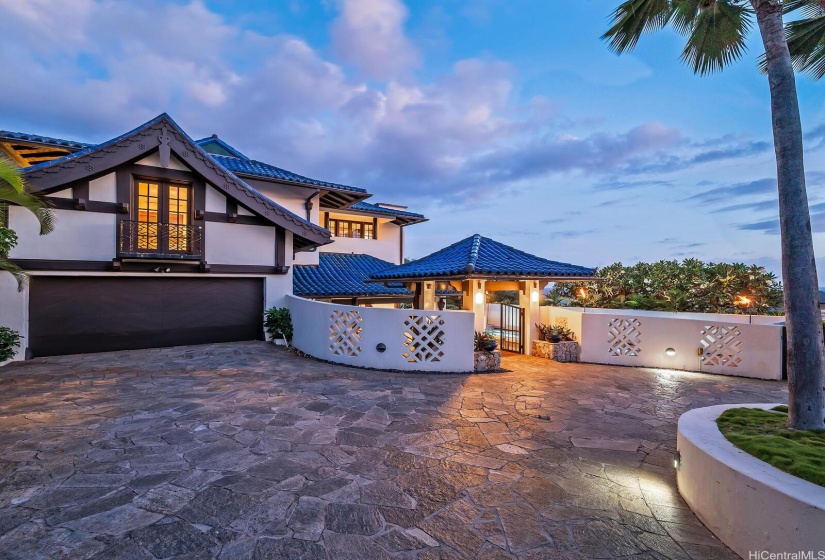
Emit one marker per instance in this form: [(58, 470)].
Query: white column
[(529, 300)]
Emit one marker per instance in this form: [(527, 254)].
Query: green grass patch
[(763, 434)]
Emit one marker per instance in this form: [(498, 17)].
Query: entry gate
[(512, 328)]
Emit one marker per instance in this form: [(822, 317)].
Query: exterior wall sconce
[(670, 352), (479, 298), (162, 269), (534, 297)]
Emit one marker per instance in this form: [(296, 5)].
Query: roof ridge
[(474, 249)]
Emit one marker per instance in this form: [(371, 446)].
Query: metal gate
[(512, 327)]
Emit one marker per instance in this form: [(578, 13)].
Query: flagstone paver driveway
[(248, 451)]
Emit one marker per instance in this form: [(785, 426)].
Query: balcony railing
[(157, 240)]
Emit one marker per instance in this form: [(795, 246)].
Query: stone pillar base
[(556, 351), (487, 361)]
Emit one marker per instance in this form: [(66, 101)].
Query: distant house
[(163, 240)]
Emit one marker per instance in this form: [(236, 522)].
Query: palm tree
[(716, 31), (13, 190)]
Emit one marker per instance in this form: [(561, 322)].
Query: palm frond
[(10, 175), (806, 43), (38, 205), (685, 13), (810, 8), (21, 277), (718, 36), (633, 18)]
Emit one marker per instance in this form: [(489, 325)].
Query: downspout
[(308, 204)]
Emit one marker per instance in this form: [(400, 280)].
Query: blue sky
[(505, 118)]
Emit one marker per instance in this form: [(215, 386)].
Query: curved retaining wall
[(749, 505), (413, 340)]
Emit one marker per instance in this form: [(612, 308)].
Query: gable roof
[(402, 217), (164, 134), (215, 145), (478, 256)]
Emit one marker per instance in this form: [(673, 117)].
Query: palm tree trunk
[(806, 360)]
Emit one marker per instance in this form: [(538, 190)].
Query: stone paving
[(244, 450)]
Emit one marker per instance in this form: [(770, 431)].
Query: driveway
[(247, 451)]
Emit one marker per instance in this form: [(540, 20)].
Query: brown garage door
[(74, 315)]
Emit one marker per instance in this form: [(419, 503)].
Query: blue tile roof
[(37, 139), (343, 275), (260, 169), (481, 256), (367, 207)]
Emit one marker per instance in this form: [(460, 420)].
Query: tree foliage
[(690, 286)]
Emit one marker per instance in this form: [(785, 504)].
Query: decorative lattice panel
[(424, 338), (722, 345), (624, 337), (345, 333)]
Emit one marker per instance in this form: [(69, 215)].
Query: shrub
[(556, 330), (278, 320), (8, 240), (9, 340)]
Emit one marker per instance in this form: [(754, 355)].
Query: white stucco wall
[(14, 309), (757, 346), (228, 243), (290, 197), (215, 201), (154, 161), (104, 189), (77, 235), (751, 506), (314, 322), (387, 247)]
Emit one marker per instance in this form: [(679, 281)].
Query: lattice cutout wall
[(424, 338), (624, 337), (345, 332), (722, 345)]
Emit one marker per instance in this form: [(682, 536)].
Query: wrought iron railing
[(145, 239)]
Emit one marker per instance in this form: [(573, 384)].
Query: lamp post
[(746, 302), (582, 293)]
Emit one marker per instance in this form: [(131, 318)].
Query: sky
[(508, 118)]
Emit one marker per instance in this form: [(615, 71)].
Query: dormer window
[(352, 229)]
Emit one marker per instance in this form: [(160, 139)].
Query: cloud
[(370, 35), (727, 193)]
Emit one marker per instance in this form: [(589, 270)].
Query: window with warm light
[(163, 213), (353, 229)]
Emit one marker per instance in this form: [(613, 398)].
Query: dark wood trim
[(151, 172), (280, 247), (326, 220), (88, 205), (81, 190), (401, 245), (225, 219), (247, 269), (40, 264), (375, 228)]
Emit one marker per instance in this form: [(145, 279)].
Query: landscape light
[(677, 459)]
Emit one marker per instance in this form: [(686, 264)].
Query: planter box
[(750, 505), (557, 351), (487, 361)]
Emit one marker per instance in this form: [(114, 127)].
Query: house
[(163, 240)]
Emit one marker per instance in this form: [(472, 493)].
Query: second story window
[(349, 228), (162, 220)]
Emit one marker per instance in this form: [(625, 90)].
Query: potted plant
[(9, 340), (278, 325), (485, 342), (555, 333)]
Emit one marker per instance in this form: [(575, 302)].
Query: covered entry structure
[(478, 265)]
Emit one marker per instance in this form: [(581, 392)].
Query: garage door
[(74, 315)]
